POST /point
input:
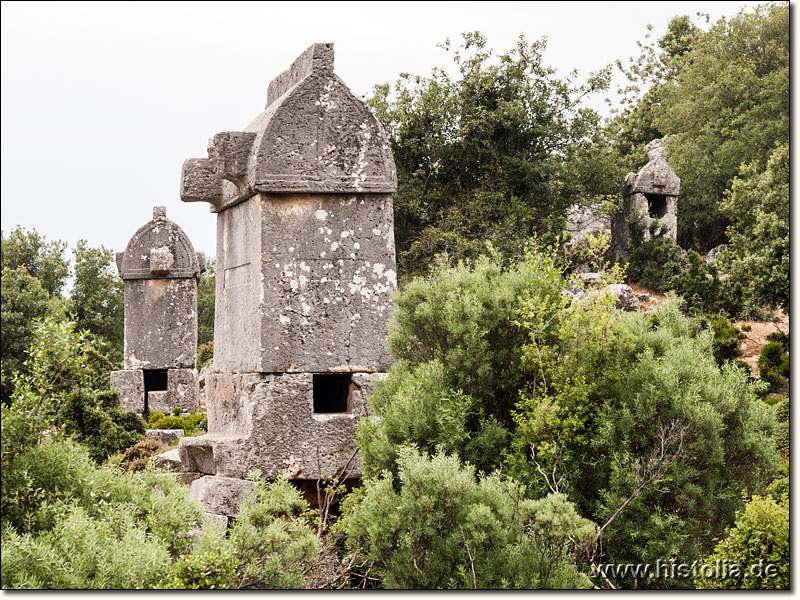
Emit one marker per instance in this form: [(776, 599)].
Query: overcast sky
[(102, 102)]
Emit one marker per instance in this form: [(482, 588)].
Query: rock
[(219, 520), (643, 297), (585, 220), (713, 254), (591, 277), (168, 460), (626, 299), (165, 435), (220, 495), (188, 478)]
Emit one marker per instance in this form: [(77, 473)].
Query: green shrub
[(189, 423), (435, 525), (780, 337), (773, 364), (272, 538), (760, 540), (138, 456), (727, 337), (108, 550), (59, 471), (270, 546), (205, 352), (455, 331), (210, 565), (96, 420), (656, 264)]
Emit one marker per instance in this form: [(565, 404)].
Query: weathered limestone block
[(304, 285), (160, 323), (585, 220), (160, 269), (268, 422), (168, 460), (130, 385), (220, 495), (165, 435)]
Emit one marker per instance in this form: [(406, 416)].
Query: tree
[(727, 106), (23, 302), (491, 154), (205, 304), (41, 259), (757, 206), (97, 297)]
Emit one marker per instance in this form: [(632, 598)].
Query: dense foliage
[(497, 152), (758, 546), (435, 525)]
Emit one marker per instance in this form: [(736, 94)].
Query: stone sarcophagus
[(305, 266), (160, 269), (652, 195)]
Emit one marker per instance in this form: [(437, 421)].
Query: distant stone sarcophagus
[(651, 195), (160, 269)]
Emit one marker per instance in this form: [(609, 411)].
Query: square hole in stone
[(332, 392), (656, 205), (155, 380)]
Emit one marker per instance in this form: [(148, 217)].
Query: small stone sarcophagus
[(161, 270), (652, 194), (305, 264)]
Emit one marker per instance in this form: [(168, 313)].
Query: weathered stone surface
[(267, 422), (162, 235), (220, 521), (626, 299), (165, 435), (183, 389), (169, 459), (713, 254), (585, 220), (220, 495), (315, 135), (187, 478), (130, 385), (160, 323), (304, 284), (652, 194)]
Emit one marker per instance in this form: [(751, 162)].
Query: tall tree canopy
[(495, 153)]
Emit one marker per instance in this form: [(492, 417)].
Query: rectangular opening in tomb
[(332, 392), (155, 380), (656, 205)]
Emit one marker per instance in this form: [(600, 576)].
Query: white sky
[(102, 102)]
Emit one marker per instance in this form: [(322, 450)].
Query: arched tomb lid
[(160, 250), (314, 136)]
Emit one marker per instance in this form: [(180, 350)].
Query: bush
[(270, 546), (455, 331), (656, 264), (773, 364), (435, 525), (110, 550), (727, 337), (96, 420), (138, 456), (760, 540), (189, 423), (205, 352)]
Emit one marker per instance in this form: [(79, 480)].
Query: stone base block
[(268, 422), (168, 460), (220, 495), (182, 391), (130, 385), (165, 435)]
